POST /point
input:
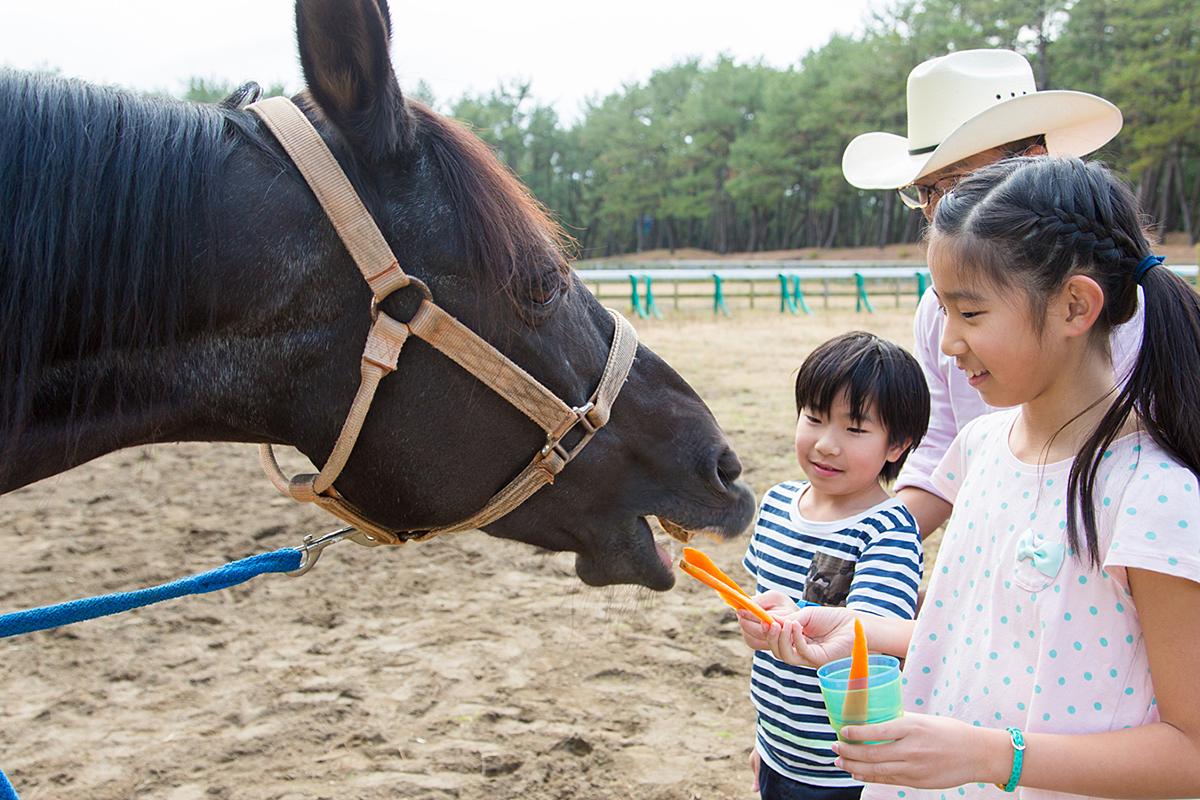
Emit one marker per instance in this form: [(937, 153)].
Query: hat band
[(922, 150)]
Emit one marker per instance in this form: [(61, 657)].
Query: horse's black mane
[(102, 194), (107, 195), (509, 234)]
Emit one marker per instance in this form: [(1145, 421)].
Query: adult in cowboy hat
[(967, 110)]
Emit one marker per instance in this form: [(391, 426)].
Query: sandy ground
[(463, 667)]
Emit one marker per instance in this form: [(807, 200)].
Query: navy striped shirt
[(869, 563)]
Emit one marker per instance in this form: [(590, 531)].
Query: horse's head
[(437, 443)]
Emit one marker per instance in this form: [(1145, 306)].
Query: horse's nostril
[(729, 468)]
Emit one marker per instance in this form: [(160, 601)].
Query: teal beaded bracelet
[(1018, 745)]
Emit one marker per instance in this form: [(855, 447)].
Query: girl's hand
[(928, 752), (754, 633), (812, 636)]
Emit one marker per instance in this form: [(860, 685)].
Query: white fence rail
[(837, 279), (698, 271)]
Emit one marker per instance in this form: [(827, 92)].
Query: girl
[(1052, 652)]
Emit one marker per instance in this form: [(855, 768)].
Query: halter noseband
[(382, 272)]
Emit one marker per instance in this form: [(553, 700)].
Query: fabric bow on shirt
[(1046, 557)]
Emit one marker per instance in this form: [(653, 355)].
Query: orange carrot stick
[(859, 669), (731, 597), (855, 709), (734, 597), (699, 559)]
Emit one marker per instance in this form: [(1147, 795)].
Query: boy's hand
[(775, 603), (754, 633), (754, 763)]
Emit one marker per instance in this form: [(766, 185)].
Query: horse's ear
[(387, 16), (344, 53)]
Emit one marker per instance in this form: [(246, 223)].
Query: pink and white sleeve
[(922, 462), (947, 477), (1156, 521)]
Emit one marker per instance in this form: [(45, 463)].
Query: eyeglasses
[(921, 196)]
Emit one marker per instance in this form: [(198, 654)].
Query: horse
[(167, 275)]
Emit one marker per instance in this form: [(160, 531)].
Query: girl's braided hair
[(1032, 223)]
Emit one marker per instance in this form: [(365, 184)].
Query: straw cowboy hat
[(967, 102)]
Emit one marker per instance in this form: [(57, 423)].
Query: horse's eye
[(546, 289)]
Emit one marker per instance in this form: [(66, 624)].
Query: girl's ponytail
[(1163, 388), (1165, 382)]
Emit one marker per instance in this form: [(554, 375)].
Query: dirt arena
[(463, 667)]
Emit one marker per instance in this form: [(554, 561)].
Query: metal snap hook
[(311, 549)]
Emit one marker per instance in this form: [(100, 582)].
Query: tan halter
[(383, 274)]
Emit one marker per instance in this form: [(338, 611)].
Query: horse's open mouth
[(626, 549), (648, 560)]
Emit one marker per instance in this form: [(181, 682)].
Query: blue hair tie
[(1148, 263)]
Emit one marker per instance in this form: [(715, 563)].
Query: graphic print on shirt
[(829, 579)]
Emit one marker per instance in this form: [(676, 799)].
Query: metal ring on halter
[(420, 284), (555, 442), (312, 548)]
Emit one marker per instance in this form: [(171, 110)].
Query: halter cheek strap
[(382, 272)]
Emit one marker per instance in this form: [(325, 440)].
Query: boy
[(836, 538)]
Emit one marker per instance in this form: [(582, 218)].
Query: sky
[(568, 50)]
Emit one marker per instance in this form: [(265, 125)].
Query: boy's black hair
[(874, 374)]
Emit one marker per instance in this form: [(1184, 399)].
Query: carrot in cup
[(858, 658), (702, 568), (855, 709)]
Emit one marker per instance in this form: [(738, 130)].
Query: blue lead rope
[(233, 573), (6, 790)]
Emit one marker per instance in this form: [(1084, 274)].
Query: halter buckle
[(554, 442)]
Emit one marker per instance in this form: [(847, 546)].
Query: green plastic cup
[(879, 702)]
